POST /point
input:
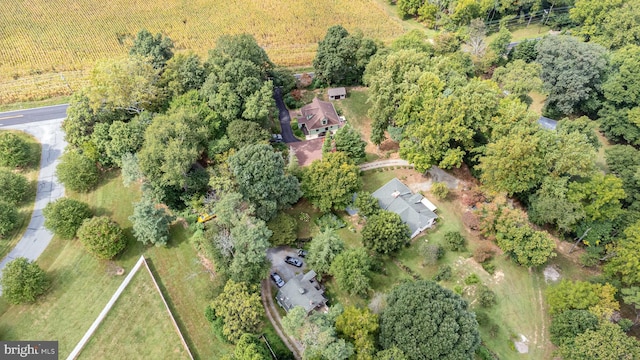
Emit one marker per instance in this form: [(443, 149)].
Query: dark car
[(293, 261), (277, 279), (302, 253)]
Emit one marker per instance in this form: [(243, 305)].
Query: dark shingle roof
[(312, 115)]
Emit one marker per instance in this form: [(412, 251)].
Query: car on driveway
[(277, 279), (302, 253), (293, 261)]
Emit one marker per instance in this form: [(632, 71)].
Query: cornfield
[(46, 46)]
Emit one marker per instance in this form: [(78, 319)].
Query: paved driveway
[(37, 237), (285, 119), (286, 271)]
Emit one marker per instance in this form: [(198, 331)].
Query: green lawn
[(530, 32), (82, 285), (137, 326), (26, 207)]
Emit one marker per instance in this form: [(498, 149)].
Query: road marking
[(11, 117)]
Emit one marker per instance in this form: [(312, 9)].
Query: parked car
[(277, 138), (277, 279), (302, 253), (293, 261)]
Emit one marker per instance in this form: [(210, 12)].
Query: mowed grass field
[(82, 285), (137, 326), (51, 43)]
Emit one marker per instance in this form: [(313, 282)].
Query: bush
[(291, 102), (472, 279), (440, 190), (65, 216), (77, 172), (483, 253), (489, 267), (625, 324), (102, 237), (454, 241), (13, 187), (8, 218), (571, 323), (486, 297), (483, 353), (23, 281), (444, 273), (14, 151), (283, 227), (330, 221), (431, 253)]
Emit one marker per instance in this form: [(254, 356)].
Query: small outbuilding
[(547, 123), (337, 93)]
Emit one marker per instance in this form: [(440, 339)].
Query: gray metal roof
[(397, 197), (337, 91), (547, 123), (301, 291)]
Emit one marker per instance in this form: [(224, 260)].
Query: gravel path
[(274, 317), (384, 163)]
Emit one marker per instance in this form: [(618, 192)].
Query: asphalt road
[(45, 125), (285, 119), (18, 117)]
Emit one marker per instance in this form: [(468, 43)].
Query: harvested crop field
[(49, 44)]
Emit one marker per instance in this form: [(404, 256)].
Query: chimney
[(395, 194)]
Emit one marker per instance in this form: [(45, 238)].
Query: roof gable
[(301, 291), (313, 115), (397, 197)]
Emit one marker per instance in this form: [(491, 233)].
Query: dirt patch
[(551, 274), (498, 276), (114, 269), (208, 265)]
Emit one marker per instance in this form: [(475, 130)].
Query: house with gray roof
[(302, 290), (414, 209), (337, 93)]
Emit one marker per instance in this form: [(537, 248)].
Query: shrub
[(102, 237), (472, 279), (486, 297), (454, 241), (431, 253), (65, 216), (440, 190), (8, 218), (473, 196), (23, 281), (283, 227), (14, 151), (625, 324), (489, 267), (483, 253), (444, 273), (13, 187), (330, 221), (77, 172)]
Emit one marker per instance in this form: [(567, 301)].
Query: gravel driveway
[(286, 271)]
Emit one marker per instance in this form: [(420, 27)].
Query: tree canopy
[(14, 150), (259, 172), (65, 216), (323, 249), (330, 183), (102, 237), (348, 140), (240, 308), (427, 321), (150, 223), (157, 49), (608, 342), (13, 187), (77, 172), (385, 232), (351, 270)]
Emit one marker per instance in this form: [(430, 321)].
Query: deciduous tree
[(427, 321), (23, 281), (259, 172), (283, 227), (323, 249), (240, 308), (65, 216), (608, 342), (366, 204), (250, 238), (13, 187), (385, 232), (581, 295), (626, 261), (8, 217), (571, 323), (359, 325), (330, 183), (241, 133), (157, 49), (351, 270), (519, 78)]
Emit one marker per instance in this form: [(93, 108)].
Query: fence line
[(173, 320), (76, 351), (105, 311)]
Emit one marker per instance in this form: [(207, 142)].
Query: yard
[(82, 285), (137, 325), (26, 207), (520, 310)]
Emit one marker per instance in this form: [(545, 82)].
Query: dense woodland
[(195, 133)]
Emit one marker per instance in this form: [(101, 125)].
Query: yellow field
[(44, 39)]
